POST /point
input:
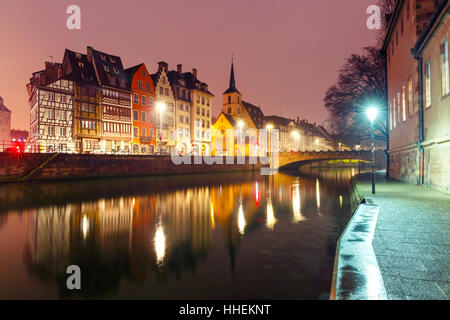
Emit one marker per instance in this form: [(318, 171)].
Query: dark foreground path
[(412, 238)]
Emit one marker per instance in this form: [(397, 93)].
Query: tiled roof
[(79, 67), (109, 70), (255, 114), (195, 84)]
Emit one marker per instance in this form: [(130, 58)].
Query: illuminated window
[(427, 84), (390, 117), (444, 68), (404, 103), (410, 97), (394, 116), (136, 132)]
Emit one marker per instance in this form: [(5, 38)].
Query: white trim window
[(427, 84), (444, 68), (404, 103)]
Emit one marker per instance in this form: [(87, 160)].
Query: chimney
[(180, 69), (194, 72), (298, 119), (162, 65), (89, 54)]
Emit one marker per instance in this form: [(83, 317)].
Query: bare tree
[(387, 8), (361, 84)]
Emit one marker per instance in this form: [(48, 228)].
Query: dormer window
[(112, 60), (106, 68), (102, 57), (78, 55), (81, 64), (115, 70)]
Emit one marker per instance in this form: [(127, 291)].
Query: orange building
[(143, 102)]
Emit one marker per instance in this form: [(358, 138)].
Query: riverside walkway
[(411, 242)]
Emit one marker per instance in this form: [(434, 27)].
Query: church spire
[(232, 87)]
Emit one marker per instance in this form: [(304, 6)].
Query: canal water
[(216, 236)]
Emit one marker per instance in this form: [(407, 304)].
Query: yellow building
[(236, 115)]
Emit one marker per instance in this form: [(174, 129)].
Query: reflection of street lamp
[(269, 127), (161, 106), (296, 136), (372, 114)]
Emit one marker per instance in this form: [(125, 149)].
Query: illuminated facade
[(144, 110), (51, 110), (418, 143), (164, 94)]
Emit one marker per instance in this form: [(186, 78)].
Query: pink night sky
[(287, 52)]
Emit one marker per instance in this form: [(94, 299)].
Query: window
[(207, 113), (106, 68), (203, 111), (394, 115), (207, 102), (140, 84), (390, 117), (144, 100), (203, 100), (136, 132), (427, 84), (152, 134), (398, 108), (444, 68), (143, 132), (161, 90), (229, 99), (144, 73), (136, 98), (404, 103), (166, 91), (51, 96), (62, 131), (198, 110), (410, 98), (51, 131), (152, 118), (144, 116), (187, 119), (51, 114), (147, 86), (136, 115), (180, 132), (181, 118), (229, 109)]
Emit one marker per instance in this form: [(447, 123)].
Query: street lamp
[(372, 114), (160, 106)]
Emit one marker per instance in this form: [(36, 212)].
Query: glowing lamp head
[(240, 124), (372, 113), (295, 134), (269, 126), (160, 106)]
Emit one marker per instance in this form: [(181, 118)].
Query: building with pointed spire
[(236, 114)]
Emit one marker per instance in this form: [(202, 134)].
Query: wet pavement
[(411, 240)]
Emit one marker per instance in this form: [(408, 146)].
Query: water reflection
[(217, 236)]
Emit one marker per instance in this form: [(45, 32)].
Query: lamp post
[(160, 106), (372, 114)]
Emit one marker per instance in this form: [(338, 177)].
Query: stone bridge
[(293, 160)]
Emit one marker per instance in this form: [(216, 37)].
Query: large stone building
[(183, 106), (418, 102), (5, 125), (201, 113), (144, 110), (51, 109)]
